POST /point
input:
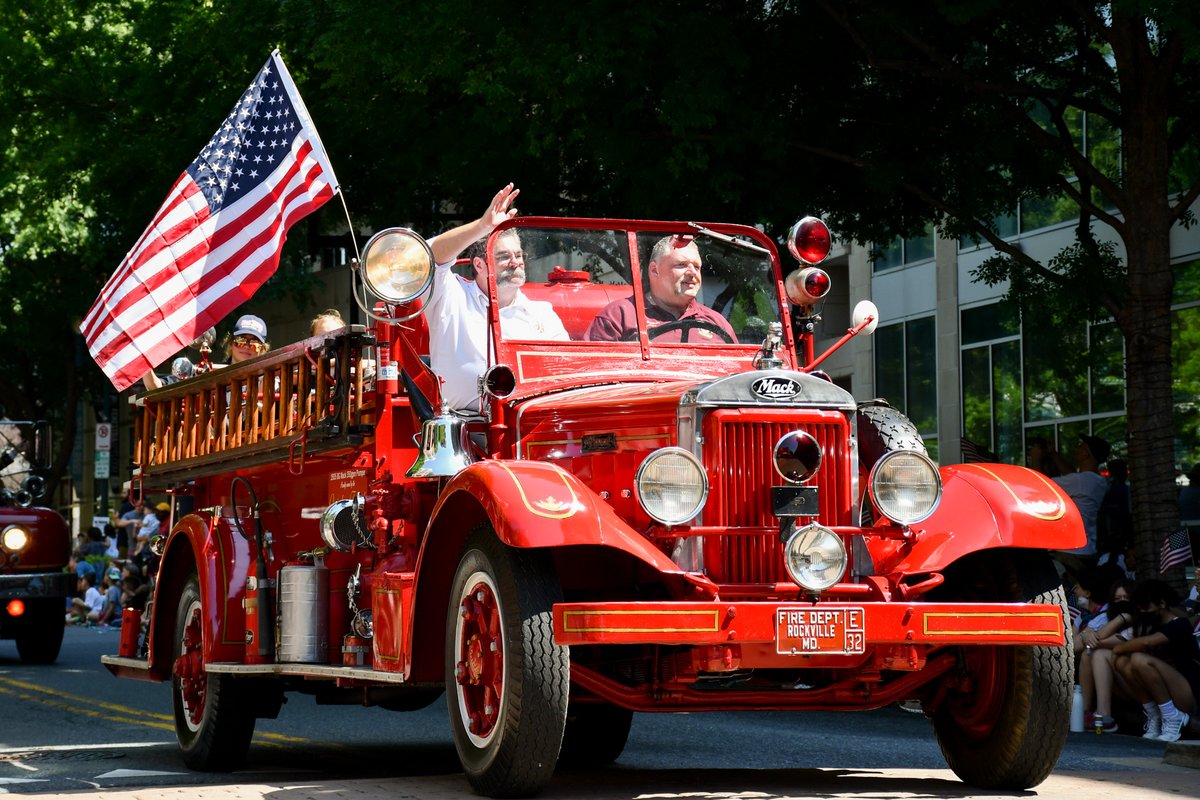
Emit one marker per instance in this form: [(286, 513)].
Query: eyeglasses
[(508, 258), (248, 341)]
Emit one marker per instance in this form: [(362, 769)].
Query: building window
[(991, 379), (1185, 384), (899, 252), (906, 373)]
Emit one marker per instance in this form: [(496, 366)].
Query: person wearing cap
[(110, 588), (1086, 487), (249, 339)]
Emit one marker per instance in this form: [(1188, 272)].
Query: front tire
[(1005, 724), (214, 715), (506, 680)]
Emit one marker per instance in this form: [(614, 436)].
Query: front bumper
[(807, 629), (38, 584)]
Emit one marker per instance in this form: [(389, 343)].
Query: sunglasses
[(248, 341)]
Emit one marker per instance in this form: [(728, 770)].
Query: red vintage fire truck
[(684, 522), (35, 546)]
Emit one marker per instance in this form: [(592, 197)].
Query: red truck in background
[(35, 545), (639, 525)]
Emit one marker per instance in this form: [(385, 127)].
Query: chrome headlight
[(905, 486), (15, 538), (397, 265), (815, 557), (671, 485)]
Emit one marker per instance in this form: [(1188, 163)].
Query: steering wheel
[(682, 325)]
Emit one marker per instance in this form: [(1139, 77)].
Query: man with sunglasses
[(674, 277), (457, 311)]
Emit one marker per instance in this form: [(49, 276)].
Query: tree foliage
[(884, 116)]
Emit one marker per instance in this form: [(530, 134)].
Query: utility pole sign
[(103, 450)]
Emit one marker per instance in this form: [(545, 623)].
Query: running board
[(139, 669)]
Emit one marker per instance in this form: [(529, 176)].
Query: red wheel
[(479, 674), (506, 680), (214, 716)]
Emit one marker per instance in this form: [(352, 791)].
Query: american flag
[(218, 235), (1176, 550)]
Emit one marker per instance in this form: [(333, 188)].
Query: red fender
[(529, 504), (536, 504), (222, 560), (994, 505)]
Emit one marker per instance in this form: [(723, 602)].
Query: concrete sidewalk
[(1159, 780)]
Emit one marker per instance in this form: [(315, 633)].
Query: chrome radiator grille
[(738, 447)]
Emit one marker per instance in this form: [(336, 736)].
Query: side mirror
[(397, 265), (862, 312)]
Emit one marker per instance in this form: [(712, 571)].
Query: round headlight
[(671, 485), (905, 486), (815, 557), (397, 265), (15, 538), (797, 456)]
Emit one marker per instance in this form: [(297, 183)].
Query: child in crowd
[(88, 608)]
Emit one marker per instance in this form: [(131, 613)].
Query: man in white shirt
[(457, 311)]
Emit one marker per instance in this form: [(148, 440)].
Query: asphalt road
[(72, 727)]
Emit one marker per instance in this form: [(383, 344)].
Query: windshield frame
[(541, 365)]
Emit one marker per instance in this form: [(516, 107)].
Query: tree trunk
[(1145, 319)]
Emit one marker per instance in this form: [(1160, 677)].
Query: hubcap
[(479, 670), (189, 669)]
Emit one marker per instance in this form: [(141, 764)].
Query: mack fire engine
[(693, 522)]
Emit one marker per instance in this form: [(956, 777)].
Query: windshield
[(695, 289)]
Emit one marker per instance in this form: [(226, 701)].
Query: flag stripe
[(218, 235)]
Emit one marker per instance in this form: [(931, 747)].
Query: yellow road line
[(91, 707)]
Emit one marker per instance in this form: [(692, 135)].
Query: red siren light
[(807, 286), (16, 608), (810, 241)]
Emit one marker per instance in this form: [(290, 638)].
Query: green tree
[(105, 102), (961, 110)]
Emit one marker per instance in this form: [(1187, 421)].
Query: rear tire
[(1006, 726), (506, 680), (214, 715)]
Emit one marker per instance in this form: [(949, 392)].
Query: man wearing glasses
[(457, 311)]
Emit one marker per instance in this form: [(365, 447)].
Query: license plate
[(819, 630)]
